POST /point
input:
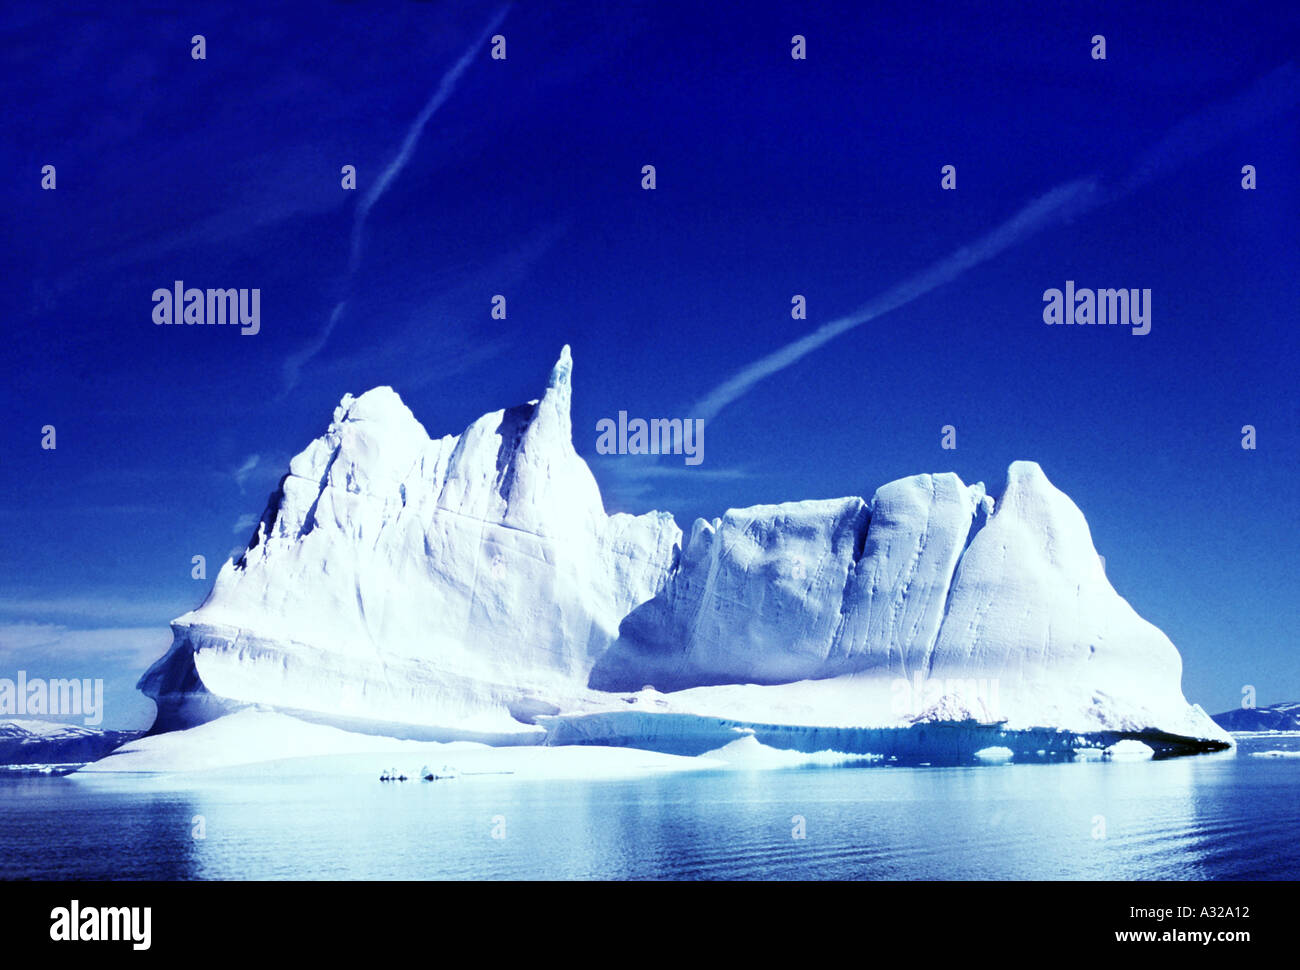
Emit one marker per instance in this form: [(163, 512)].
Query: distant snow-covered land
[(1277, 717), (39, 744)]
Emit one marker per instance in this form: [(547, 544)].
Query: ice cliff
[(473, 586)]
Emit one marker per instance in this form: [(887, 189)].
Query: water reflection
[(1208, 817)]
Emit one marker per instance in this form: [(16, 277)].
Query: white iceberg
[(450, 587), (473, 587)]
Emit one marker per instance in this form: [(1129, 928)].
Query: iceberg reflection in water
[(1225, 816)]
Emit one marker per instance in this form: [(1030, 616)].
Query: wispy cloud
[(295, 362), (636, 482), (242, 473), (1060, 202), (636, 467), (411, 354), (133, 647), (444, 91), (119, 609), (1274, 93)]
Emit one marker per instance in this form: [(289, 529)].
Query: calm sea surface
[(1229, 816)]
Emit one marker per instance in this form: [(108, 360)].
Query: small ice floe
[(430, 774), (1129, 750), (995, 755), (1089, 754), (748, 753), (40, 769), (1275, 754)]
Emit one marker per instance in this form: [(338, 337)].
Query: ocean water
[(1226, 816)]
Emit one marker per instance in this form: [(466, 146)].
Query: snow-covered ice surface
[(748, 753), (249, 736), (253, 737), (472, 587)]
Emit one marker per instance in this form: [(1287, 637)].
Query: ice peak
[(553, 409), (563, 369), (379, 404), (1026, 482), (1026, 470)]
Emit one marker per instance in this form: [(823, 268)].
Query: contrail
[(1271, 94), (1068, 199), (446, 87)]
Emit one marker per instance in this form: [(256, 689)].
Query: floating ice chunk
[(1129, 750), (747, 752)]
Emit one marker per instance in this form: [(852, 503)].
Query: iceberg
[(473, 587), (432, 588)]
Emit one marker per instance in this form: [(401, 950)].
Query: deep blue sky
[(775, 177)]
